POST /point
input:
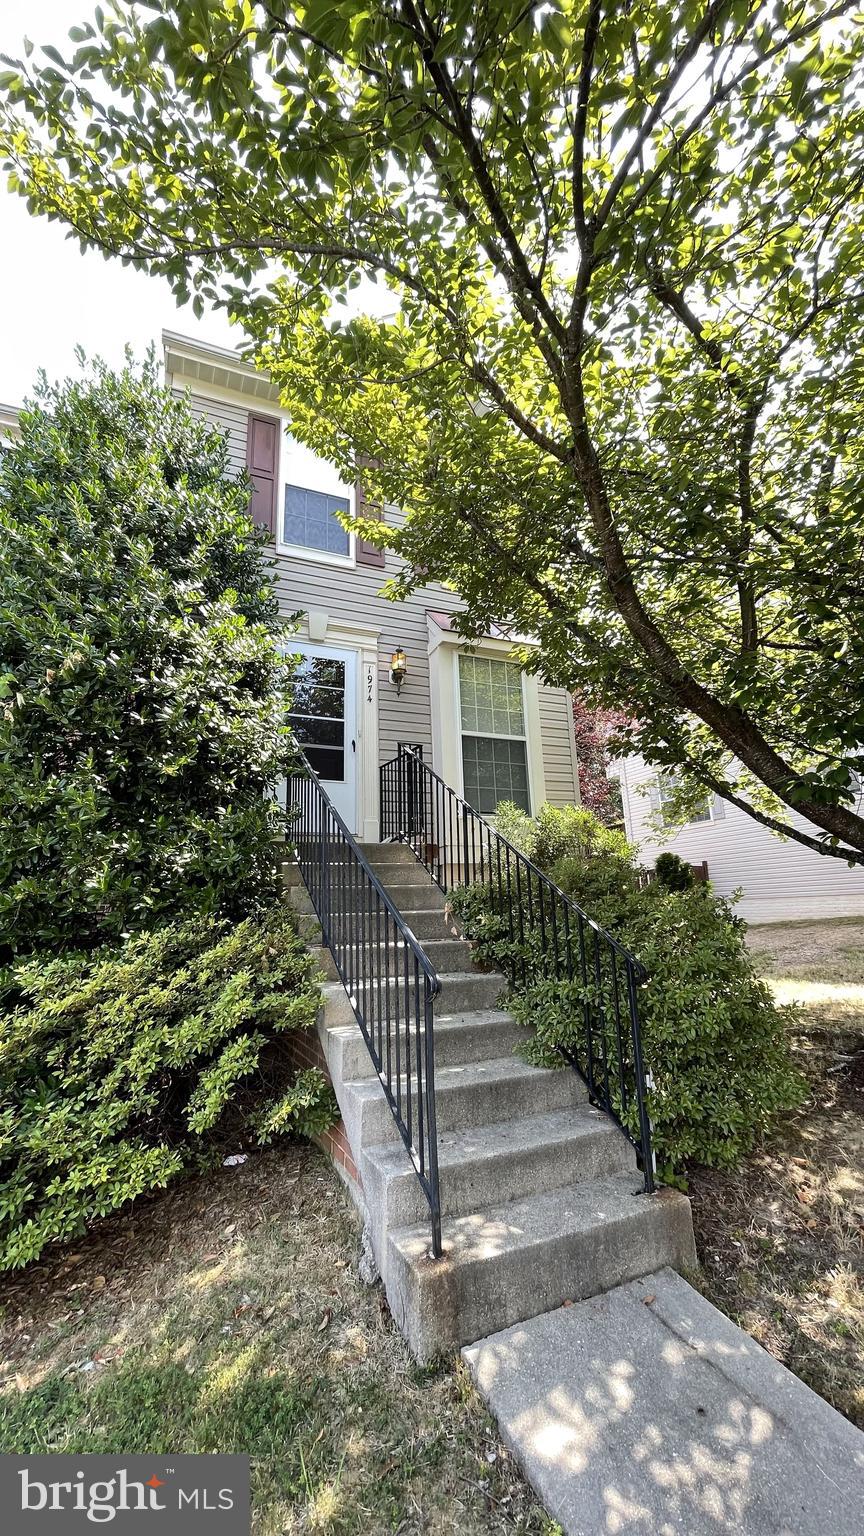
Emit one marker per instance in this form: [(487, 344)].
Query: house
[(780, 880), (492, 1190), (521, 1179), (8, 421), (490, 730)]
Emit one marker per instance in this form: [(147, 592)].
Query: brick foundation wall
[(305, 1050)]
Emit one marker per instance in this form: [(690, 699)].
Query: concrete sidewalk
[(646, 1412)]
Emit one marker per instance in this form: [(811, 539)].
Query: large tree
[(619, 397)]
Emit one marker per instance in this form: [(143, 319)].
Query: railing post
[(399, 796), (641, 1085), (410, 797), (431, 1125), (325, 885)]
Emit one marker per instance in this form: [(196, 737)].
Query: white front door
[(324, 718)]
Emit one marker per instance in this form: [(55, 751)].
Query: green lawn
[(227, 1315)]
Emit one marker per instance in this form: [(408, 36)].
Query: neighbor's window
[(667, 783), (311, 520), (494, 753)]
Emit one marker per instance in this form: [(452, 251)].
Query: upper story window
[(311, 521), (494, 747), (667, 783)]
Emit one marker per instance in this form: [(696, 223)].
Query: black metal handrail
[(549, 936), (390, 981)]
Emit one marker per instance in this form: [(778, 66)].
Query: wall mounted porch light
[(398, 669)]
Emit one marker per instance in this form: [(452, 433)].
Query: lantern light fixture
[(398, 669)]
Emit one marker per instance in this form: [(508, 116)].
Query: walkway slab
[(646, 1412)]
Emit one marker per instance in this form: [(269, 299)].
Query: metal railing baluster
[(354, 911), (457, 845)]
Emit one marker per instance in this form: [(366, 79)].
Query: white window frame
[(480, 655), (444, 646), (299, 466), (701, 821)]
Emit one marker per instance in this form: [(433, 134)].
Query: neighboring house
[(8, 421), (780, 879), (490, 730)]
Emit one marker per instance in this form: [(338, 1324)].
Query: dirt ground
[(781, 1240), (228, 1315)]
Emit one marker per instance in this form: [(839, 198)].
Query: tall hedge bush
[(142, 687), (714, 1041), (118, 1068)]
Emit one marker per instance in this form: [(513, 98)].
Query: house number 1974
[(370, 682)]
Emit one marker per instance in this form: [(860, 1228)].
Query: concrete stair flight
[(541, 1197)]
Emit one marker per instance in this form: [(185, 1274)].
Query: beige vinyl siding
[(780, 880), (231, 419), (559, 747), (352, 595)]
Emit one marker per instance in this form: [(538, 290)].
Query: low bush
[(713, 1039), (673, 872), (561, 832), (119, 1067)]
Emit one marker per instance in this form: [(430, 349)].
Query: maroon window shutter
[(262, 462), (367, 554)]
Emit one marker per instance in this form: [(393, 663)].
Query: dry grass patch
[(782, 1238), (819, 966), (227, 1315)]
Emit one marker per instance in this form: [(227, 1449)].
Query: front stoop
[(540, 1194)]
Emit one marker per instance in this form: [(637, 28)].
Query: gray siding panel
[(353, 596), (232, 421), (780, 880)]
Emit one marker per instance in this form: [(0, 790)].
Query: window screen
[(311, 520)]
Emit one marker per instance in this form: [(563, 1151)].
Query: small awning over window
[(445, 622)]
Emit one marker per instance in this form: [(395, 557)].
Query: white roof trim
[(9, 417), (204, 363)]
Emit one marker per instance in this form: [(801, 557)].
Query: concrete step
[(461, 992), (416, 891), (397, 873), (491, 1164), (404, 896), (459, 1038), (428, 922), (402, 872), (467, 1095), (508, 1263), (386, 853), (447, 955), (299, 899)]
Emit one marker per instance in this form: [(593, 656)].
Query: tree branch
[(589, 45)]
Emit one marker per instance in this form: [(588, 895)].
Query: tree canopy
[(618, 390)]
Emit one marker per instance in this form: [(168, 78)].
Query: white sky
[(51, 297)]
